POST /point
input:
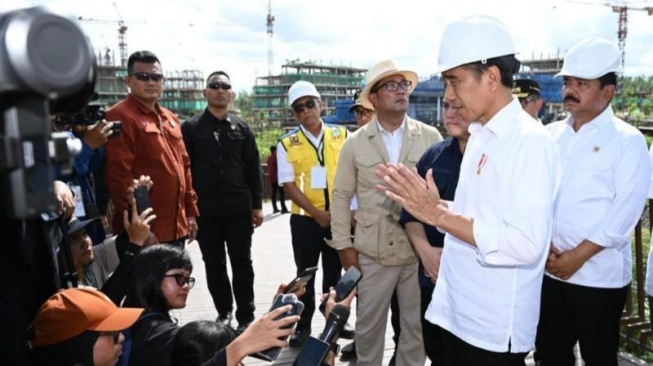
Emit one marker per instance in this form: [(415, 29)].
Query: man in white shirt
[(498, 227), (381, 249), (605, 179)]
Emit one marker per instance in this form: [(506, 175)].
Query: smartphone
[(302, 278), (142, 197), (272, 353), (345, 286), (116, 128)]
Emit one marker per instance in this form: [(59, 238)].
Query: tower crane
[(621, 8), (122, 43), (270, 23)]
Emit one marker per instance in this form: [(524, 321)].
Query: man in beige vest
[(381, 249)]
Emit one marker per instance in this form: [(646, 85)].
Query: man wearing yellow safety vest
[(307, 158)]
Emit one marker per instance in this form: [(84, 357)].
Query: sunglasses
[(299, 107), (394, 85), (115, 335), (146, 76), (216, 86), (182, 280)]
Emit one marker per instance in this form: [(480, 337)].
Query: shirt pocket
[(366, 167), (151, 143), (367, 233)]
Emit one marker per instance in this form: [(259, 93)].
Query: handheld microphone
[(314, 351), (337, 319)]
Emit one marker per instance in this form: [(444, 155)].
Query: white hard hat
[(591, 58), (300, 89), (472, 39)]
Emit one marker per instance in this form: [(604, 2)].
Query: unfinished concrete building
[(270, 94), (182, 92)]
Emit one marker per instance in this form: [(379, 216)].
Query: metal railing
[(635, 326)]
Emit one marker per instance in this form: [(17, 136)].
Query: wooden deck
[(273, 264)]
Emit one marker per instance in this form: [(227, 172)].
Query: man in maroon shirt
[(151, 144), (272, 176)]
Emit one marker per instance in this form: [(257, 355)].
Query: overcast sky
[(230, 35)]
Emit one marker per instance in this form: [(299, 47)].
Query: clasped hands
[(418, 196)]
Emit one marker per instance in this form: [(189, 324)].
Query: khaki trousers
[(374, 294)]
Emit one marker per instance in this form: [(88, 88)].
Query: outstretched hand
[(263, 333), (416, 195)]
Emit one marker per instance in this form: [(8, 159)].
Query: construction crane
[(270, 23), (621, 8), (122, 43)]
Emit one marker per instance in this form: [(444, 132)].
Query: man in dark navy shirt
[(443, 158), (227, 178)]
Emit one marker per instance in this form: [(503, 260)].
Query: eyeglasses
[(394, 85), (216, 86), (146, 76), (182, 280), (362, 112), (299, 107), (115, 335), (525, 101)]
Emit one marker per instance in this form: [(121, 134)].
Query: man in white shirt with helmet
[(498, 228), (605, 177)]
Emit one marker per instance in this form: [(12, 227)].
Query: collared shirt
[(225, 164), (378, 234), (605, 178), (444, 158), (489, 294), (392, 140), (150, 143), (285, 170)]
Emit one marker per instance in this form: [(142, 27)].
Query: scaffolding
[(333, 82), (182, 91)]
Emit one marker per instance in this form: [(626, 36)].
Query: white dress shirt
[(606, 174), (649, 262), (489, 295), (392, 140), (285, 170)]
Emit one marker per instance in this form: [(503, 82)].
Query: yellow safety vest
[(303, 156)]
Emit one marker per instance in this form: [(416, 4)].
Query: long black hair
[(150, 267)]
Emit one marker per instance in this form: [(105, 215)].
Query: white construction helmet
[(472, 39), (591, 58), (300, 89)]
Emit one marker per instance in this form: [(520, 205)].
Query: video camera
[(47, 66), (89, 115)]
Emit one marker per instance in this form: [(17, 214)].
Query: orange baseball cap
[(71, 312)]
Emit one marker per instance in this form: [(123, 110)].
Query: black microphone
[(337, 319), (314, 351)]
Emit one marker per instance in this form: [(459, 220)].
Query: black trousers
[(587, 315), (236, 231), (431, 333), (282, 197), (460, 353), (307, 244)]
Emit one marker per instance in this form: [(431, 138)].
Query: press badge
[(79, 201), (318, 177)]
